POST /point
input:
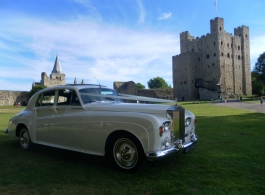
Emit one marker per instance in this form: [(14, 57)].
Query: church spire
[(57, 66)]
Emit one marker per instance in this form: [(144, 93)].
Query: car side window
[(67, 97), (45, 99)]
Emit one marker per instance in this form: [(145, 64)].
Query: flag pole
[(216, 9)]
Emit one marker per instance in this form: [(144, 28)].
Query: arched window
[(222, 54), (227, 44), (238, 57), (214, 54), (228, 55), (221, 42), (213, 64), (207, 56), (238, 47), (246, 35), (220, 28), (214, 43)]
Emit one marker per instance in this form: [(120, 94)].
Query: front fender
[(96, 128)]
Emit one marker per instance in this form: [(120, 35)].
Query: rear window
[(89, 95)]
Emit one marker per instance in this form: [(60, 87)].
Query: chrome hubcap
[(24, 139), (125, 153)]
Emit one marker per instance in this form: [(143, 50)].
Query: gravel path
[(247, 106)]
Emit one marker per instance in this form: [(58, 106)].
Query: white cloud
[(141, 11), (88, 50), (165, 16), (93, 12), (256, 48)]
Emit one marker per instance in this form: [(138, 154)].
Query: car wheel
[(128, 154), (24, 138)]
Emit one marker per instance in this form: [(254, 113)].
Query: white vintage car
[(94, 119)]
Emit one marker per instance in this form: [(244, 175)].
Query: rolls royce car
[(130, 130)]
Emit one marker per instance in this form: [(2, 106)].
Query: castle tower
[(185, 38), (244, 56), (215, 62), (217, 26)]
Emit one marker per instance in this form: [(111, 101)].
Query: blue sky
[(110, 40)]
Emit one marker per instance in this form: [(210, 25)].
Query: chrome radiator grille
[(177, 114)]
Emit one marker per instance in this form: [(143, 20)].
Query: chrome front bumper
[(184, 148)]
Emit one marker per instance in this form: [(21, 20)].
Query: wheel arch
[(19, 127), (116, 133)]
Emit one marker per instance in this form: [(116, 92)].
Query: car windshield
[(89, 95)]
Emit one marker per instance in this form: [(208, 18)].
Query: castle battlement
[(217, 57)]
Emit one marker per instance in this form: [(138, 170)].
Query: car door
[(65, 121), (44, 112)]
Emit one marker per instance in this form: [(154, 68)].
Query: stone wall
[(125, 87), (9, 98), (130, 88), (156, 93), (208, 94)]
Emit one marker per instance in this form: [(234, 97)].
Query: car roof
[(73, 86)]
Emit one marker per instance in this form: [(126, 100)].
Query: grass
[(229, 159)]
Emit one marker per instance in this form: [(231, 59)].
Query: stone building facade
[(57, 77), (218, 62)]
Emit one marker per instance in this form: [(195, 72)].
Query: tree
[(140, 86), (258, 76), (258, 87), (259, 68), (36, 88), (157, 82)]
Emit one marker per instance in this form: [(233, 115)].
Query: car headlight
[(166, 126), (188, 122)]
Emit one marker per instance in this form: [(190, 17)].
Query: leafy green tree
[(140, 86), (36, 88), (157, 82), (258, 87), (258, 76), (259, 68)]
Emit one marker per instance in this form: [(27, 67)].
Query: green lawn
[(229, 159)]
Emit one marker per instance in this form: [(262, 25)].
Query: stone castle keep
[(216, 64)]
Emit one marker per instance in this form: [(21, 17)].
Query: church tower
[(57, 77)]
